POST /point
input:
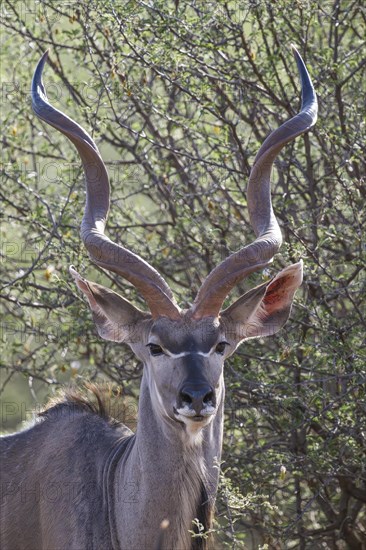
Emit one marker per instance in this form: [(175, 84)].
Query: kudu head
[(184, 350)]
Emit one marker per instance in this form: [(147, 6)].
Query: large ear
[(265, 309), (115, 317)]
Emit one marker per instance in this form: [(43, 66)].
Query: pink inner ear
[(276, 293)]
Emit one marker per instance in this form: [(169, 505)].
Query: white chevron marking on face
[(185, 353)]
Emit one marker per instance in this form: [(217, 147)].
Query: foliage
[(179, 97)]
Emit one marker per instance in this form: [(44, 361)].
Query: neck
[(168, 475)]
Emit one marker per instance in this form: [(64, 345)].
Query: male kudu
[(76, 480)]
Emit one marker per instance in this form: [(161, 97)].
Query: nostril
[(197, 399), (208, 398), (185, 398)]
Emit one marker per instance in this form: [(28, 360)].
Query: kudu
[(80, 481)]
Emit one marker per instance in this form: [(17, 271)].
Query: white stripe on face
[(185, 353)]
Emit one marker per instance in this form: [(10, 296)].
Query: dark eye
[(220, 348), (155, 349)]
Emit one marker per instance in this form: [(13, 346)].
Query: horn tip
[(45, 55), (309, 99), (38, 91), (41, 64)]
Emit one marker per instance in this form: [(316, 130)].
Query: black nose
[(197, 398)]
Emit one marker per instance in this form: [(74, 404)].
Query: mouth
[(198, 418), (188, 415)]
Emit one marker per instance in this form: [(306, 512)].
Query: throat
[(172, 475), (192, 503)]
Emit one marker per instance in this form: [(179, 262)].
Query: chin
[(194, 424)]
